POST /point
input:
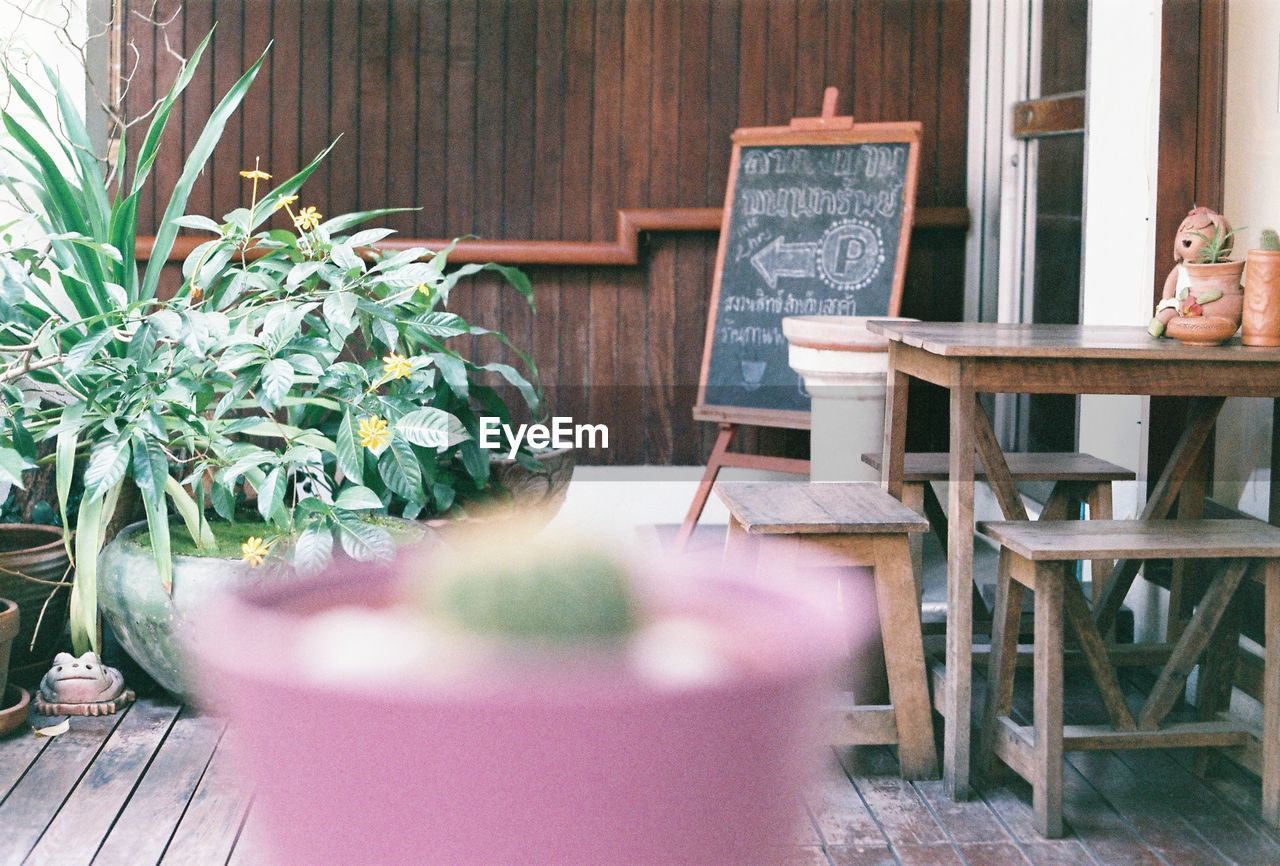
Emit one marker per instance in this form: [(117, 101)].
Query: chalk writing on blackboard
[(813, 229)]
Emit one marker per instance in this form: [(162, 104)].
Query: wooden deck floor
[(155, 785)]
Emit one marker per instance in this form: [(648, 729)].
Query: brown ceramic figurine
[(81, 686), (1261, 322), (1204, 284)]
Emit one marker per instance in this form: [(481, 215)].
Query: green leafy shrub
[(256, 390)]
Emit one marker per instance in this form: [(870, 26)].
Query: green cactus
[(1270, 240), (554, 594)]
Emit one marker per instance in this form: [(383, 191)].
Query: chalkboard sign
[(817, 222)]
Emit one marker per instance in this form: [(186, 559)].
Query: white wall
[(1252, 200), (1119, 238), (32, 31)]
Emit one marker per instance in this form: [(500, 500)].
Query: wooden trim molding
[(623, 251), (1062, 114)]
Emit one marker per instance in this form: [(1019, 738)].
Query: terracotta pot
[(1261, 321), (1201, 330), (8, 631), (572, 764), (31, 558), (15, 706), (1223, 277)]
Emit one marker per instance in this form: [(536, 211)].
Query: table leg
[(1182, 577), (1203, 416), (958, 692), (998, 474), (893, 448)]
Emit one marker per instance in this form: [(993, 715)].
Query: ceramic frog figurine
[(81, 686), (1194, 232)]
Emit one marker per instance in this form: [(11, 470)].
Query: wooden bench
[(1079, 479), (1039, 556), (782, 527)]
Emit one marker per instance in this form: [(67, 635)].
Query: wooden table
[(970, 359)]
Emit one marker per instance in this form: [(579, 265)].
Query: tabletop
[(1103, 342)]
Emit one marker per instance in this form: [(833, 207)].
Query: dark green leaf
[(349, 453), (400, 471)]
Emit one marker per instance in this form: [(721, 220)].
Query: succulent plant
[(1270, 240), (1217, 247)]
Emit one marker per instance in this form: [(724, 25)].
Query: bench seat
[(1025, 466)]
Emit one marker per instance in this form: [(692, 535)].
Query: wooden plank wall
[(539, 118)]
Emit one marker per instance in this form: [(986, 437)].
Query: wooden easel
[(801, 130), (721, 458)]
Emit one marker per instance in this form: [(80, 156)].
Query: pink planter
[(573, 766)]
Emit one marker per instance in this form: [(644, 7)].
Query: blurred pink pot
[(574, 767)]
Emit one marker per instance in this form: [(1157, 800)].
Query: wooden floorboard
[(161, 784), (88, 814), (211, 824), (35, 800), (147, 822)]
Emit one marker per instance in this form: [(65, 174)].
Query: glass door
[(1041, 244)]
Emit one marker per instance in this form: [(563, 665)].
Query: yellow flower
[(286, 201), (308, 218), (254, 551), (396, 366), (255, 173), (374, 433), (424, 288)]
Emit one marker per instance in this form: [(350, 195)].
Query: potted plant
[(565, 702), (243, 404), (1261, 319), (1211, 302), (15, 701)]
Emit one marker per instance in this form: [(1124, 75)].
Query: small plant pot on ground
[(15, 702), (33, 561), (15, 707), (8, 631), (1261, 321)]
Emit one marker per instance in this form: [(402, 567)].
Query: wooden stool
[(859, 524), (1039, 556), (1078, 479)]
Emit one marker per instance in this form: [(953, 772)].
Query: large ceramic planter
[(566, 766), (533, 493), (33, 560), (1261, 322), (144, 618), (531, 497)]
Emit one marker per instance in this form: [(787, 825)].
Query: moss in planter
[(229, 537)]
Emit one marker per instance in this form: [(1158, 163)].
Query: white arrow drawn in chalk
[(785, 260)]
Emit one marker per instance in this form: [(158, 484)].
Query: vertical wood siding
[(539, 118)]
